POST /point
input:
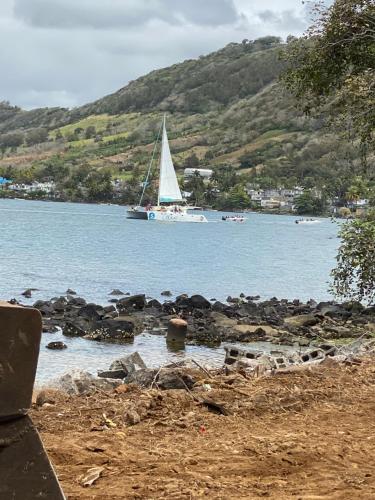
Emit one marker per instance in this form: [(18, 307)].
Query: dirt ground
[(307, 435)]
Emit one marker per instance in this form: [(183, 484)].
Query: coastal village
[(278, 200)]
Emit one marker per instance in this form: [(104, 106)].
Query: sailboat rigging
[(170, 207)]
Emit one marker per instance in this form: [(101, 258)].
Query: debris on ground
[(302, 434)]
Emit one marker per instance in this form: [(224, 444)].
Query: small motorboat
[(233, 218), (307, 221)]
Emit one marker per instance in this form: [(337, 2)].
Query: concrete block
[(20, 333)]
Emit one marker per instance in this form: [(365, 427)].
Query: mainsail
[(169, 190)]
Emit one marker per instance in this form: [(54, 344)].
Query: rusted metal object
[(25, 470), (177, 329)]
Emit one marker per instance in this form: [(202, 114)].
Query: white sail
[(169, 190)]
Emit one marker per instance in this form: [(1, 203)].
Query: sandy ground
[(306, 435)]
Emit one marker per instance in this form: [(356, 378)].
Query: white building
[(45, 187)]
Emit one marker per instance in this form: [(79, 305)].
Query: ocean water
[(94, 248)]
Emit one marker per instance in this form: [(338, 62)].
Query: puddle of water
[(92, 356)]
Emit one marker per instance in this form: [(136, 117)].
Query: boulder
[(91, 312), (56, 345), (154, 304), (137, 302), (76, 328), (199, 302), (301, 320), (166, 293), (116, 291), (70, 292), (44, 307), (76, 301), (59, 305), (219, 306), (122, 328), (81, 382), (247, 333)]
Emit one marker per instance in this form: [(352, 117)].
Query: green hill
[(225, 110)]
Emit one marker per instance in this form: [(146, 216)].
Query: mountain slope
[(225, 109)]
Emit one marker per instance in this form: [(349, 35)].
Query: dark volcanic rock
[(154, 304), (137, 302), (116, 291), (59, 304), (121, 329), (56, 345), (91, 312), (44, 306), (76, 301), (71, 292), (166, 293), (333, 310), (76, 328), (199, 302)]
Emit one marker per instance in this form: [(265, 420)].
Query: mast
[(163, 126), (149, 168)]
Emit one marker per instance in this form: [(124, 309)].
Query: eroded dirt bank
[(308, 434)]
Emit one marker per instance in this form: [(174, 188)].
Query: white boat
[(170, 207), (307, 221), (234, 218)]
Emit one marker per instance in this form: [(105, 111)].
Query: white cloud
[(69, 52)]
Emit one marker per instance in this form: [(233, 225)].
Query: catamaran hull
[(136, 214), (175, 217)]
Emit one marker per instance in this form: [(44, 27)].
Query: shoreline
[(209, 322), (206, 209)]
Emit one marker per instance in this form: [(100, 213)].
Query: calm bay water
[(94, 248)]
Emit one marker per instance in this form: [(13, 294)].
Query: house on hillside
[(275, 197), (44, 187)]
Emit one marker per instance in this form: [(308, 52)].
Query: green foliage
[(90, 132), (11, 140), (308, 204), (334, 66), (36, 136), (191, 161), (236, 198), (99, 187), (354, 276)]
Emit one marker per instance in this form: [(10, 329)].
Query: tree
[(90, 132), (333, 65), (332, 69), (11, 140), (191, 161), (36, 136), (354, 275), (308, 204), (99, 186)]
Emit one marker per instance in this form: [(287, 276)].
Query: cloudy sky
[(69, 52)]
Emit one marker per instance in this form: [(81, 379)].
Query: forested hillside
[(225, 110)]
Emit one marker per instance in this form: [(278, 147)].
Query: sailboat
[(170, 206)]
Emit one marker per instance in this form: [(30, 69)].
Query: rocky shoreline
[(210, 322)]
